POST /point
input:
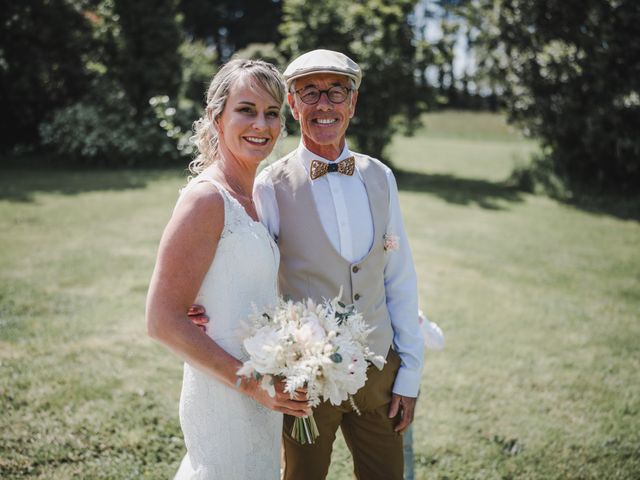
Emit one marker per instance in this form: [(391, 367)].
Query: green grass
[(463, 125), (538, 300)]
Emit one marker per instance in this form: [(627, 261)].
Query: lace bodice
[(227, 434)]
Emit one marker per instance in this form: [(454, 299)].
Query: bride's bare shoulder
[(200, 211)]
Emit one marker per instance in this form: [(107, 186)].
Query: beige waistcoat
[(309, 264)]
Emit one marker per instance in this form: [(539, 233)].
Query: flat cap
[(323, 61)]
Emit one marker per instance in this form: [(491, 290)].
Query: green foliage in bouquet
[(318, 347)]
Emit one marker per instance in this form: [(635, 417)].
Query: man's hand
[(198, 315), (404, 406)]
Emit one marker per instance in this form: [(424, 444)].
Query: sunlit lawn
[(539, 302)]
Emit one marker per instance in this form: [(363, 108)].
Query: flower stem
[(305, 430)]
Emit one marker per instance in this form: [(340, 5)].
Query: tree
[(42, 64), (134, 57), (378, 35), (460, 33), (573, 82), (483, 42), (231, 25), (444, 57), (147, 62)]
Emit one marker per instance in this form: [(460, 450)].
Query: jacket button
[(355, 269), (356, 296)]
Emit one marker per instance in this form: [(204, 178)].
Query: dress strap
[(230, 213)]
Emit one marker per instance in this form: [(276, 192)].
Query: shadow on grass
[(460, 191), (22, 185), (492, 195), (615, 206)]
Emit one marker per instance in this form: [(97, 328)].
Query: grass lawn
[(539, 302)]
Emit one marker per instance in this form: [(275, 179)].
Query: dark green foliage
[(231, 25), (376, 34), (148, 62), (263, 51), (81, 73), (573, 75), (43, 45), (135, 57), (102, 130), (198, 68)]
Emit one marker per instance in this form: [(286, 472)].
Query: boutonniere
[(391, 242)]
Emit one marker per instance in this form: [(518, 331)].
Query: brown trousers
[(375, 447)]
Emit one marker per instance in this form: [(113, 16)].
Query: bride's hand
[(281, 402)]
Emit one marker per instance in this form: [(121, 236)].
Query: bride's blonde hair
[(261, 74)]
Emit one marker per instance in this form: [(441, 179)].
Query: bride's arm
[(187, 248), (186, 251)]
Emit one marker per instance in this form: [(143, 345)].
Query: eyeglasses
[(335, 94)]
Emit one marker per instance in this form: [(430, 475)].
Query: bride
[(216, 253)]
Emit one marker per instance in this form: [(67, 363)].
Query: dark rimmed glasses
[(335, 94)]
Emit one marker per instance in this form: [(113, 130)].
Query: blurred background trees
[(231, 25), (573, 81), (110, 82), (45, 46)]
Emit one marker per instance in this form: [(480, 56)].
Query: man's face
[(324, 124)]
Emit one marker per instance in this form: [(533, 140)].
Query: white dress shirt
[(343, 206)]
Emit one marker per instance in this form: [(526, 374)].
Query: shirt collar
[(305, 155)]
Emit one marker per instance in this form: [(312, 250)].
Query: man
[(332, 211), (336, 217)]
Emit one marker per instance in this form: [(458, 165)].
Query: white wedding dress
[(227, 434)]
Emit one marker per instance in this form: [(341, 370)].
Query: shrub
[(101, 130)]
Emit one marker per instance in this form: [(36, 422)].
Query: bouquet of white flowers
[(320, 347)]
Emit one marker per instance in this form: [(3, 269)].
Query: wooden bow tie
[(344, 167)]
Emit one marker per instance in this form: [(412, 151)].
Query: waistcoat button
[(355, 269), (356, 296)]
